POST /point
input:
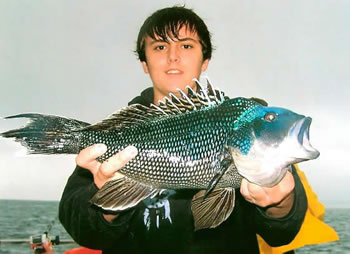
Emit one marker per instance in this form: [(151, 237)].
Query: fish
[(198, 139)]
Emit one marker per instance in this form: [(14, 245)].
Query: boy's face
[(175, 63)]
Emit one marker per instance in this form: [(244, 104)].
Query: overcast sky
[(75, 59)]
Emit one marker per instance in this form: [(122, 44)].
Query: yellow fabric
[(312, 231)]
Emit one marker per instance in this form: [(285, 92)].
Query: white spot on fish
[(153, 153), (175, 159)]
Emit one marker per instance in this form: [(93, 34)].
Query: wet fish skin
[(178, 151), (183, 150), (199, 141)]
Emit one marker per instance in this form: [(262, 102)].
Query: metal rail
[(26, 240)]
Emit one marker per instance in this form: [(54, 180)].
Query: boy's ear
[(145, 67), (205, 65)]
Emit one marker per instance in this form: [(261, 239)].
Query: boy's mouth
[(174, 71)]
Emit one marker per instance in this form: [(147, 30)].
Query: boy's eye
[(160, 47), (187, 46)]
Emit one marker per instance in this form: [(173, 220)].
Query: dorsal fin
[(125, 118), (209, 95), (136, 114), (192, 100)]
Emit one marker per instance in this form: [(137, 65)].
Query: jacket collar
[(145, 98)]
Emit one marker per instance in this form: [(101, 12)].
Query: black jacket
[(165, 224)]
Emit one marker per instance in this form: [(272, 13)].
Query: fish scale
[(172, 139), (169, 147)]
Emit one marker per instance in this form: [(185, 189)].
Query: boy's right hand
[(107, 170)]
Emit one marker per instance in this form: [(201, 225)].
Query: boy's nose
[(173, 55)]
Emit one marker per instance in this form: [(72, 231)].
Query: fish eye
[(270, 117)]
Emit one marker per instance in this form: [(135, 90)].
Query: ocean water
[(339, 219), (21, 219)]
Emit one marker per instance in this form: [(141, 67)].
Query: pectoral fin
[(225, 163), (211, 211), (121, 194)]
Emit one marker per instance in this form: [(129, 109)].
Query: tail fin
[(48, 134)]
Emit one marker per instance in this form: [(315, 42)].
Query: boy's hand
[(278, 199), (107, 170)]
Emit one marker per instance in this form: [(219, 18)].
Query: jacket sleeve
[(281, 231), (83, 221)]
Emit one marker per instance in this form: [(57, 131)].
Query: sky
[(76, 59)]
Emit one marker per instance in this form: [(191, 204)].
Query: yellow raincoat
[(312, 231)]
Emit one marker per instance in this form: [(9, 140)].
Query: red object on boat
[(82, 250)]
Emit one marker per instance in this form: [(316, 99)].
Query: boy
[(174, 47)]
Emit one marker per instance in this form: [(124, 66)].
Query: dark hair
[(166, 23)]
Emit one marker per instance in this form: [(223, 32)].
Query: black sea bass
[(200, 141)]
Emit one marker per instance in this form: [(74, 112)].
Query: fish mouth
[(300, 130), (266, 164)]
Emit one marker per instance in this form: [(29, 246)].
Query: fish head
[(270, 141)]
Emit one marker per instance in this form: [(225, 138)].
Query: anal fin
[(209, 211), (121, 194)]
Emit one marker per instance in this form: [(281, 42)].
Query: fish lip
[(300, 130)]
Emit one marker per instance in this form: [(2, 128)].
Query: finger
[(287, 184), (117, 161), (255, 194), (87, 157), (259, 195), (254, 189), (244, 190), (285, 187), (275, 194)]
